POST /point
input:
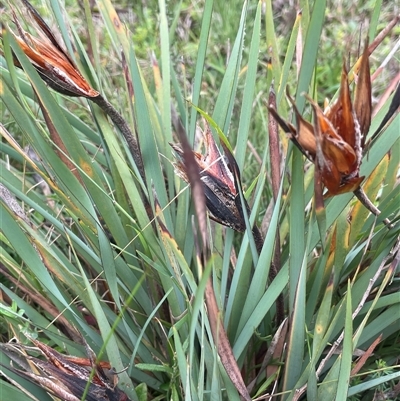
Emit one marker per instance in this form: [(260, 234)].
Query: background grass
[(80, 250)]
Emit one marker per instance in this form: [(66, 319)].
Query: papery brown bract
[(65, 377), (52, 63), (335, 140), (217, 174)]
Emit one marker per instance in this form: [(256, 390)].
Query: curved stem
[(130, 139), (122, 125), (363, 198)]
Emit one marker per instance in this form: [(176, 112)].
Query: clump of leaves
[(178, 306)]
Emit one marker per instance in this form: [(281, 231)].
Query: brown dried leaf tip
[(219, 174), (50, 60), (65, 377), (335, 141)]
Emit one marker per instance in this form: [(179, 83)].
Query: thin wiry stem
[(122, 125), (130, 139), (363, 198)]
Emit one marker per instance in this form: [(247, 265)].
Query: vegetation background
[(79, 251)]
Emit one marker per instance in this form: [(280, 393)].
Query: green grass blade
[(224, 104), (248, 93), (347, 352), (201, 56)]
